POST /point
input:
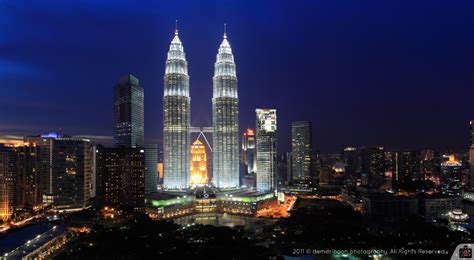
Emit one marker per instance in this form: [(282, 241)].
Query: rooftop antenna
[(176, 28), (225, 31)]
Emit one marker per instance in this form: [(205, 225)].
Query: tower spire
[(225, 31), (176, 28)]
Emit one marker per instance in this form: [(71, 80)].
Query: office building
[(225, 118), (122, 181), (372, 166), (249, 155), (151, 171), (302, 150), (266, 149), (128, 112), (451, 176), (176, 118), (66, 165), (7, 182)]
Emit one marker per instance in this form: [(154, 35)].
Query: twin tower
[(177, 113)]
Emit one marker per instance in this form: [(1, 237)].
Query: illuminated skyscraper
[(225, 117), (128, 112), (176, 118), (302, 150), (198, 163), (249, 156), (266, 149)]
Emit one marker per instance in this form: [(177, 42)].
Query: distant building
[(436, 205), (282, 170), (28, 184), (249, 155), (407, 167), (372, 166), (289, 167), (198, 163), (451, 176), (7, 182), (66, 169), (388, 207), (302, 150), (122, 177), (151, 171), (128, 112), (430, 165), (351, 159), (266, 149)]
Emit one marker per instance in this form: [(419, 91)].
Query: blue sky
[(398, 74)]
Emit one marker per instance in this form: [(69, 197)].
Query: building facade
[(176, 118), (66, 169), (128, 112), (266, 149), (151, 172), (249, 155), (198, 163), (372, 166), (302, 150), (7, 182), (451, 176), (225, 118), (122, 177)]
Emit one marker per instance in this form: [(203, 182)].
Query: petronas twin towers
[(177, 113)]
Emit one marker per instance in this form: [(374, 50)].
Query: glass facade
[(266, 149), (151, 172), (225, 117), (176, 118), (128, 112)]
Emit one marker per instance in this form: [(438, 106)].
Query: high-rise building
[(351, 158), (7, 182), (225, 118), (430, 165), (249, 155), (151, 172), (372, 166), (266, 149), (176, 118), (302, 150), (128, 112), (122, 177), (28, 182), (451, 176), (408, 167), (66, 169), (198, 163)]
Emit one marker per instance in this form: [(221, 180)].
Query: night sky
[(385, 73)]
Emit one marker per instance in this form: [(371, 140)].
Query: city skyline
[(183, 129), (416, 116)]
